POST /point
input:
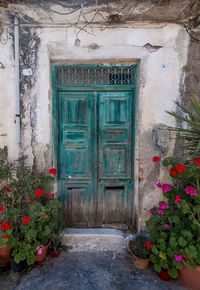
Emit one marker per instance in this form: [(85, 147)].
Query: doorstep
[(96, 240)]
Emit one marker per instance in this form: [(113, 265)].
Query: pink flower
[(178, 258), (166, 226), (151, 212), (158, 185), (40, 249), (166, 187), (160, 211), (163, 205), (178, 199), (191, 190)]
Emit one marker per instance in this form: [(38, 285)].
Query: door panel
[(115, 135), (78, 207), (76, 135)]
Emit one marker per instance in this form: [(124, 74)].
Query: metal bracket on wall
[(154, 133)]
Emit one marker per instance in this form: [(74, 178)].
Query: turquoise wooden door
[(115, 157), (95, 157)]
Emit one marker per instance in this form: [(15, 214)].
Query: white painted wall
[(7, 97), (159, 77)]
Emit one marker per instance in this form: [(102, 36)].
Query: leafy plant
[(174, 225), (29, 210), (141, 247), (56, 237), (190, 135)]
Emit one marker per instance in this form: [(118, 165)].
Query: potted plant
[(140, 248), (56, 238), (28, 210), (36, 228), (6, 213), (174, 226)]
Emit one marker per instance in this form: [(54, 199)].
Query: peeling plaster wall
[(7, 95), (159, 49)]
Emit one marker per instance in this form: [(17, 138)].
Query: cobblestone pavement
[(86, 271)]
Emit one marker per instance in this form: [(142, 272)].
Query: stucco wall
[(159, 49)]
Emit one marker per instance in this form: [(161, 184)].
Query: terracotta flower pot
[(40, 257), (190, 278), (163, 275), (55, 253), (138, 262), (5, 254)]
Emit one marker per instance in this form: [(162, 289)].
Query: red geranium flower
[(53, 171), (148, 245), (173, 172), (31, 200), (180, 168), (39, 192), (48, 195), (26, 219), (2, 208), (197, 161), (5, 236), (156, 159), (56, 193), (5, 225), (9, 189)]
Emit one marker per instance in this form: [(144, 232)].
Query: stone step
[(97, 239)]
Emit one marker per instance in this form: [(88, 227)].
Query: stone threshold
[(96, 239)]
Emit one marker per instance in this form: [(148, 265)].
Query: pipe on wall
[(17, 80)]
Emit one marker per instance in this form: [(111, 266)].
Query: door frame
[(90, 88)]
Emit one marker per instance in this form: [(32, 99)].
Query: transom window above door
[(98, 75)]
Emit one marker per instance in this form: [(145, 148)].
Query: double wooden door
[(95, 157)]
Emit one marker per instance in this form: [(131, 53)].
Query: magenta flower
[(40, 249), (160, 211), (166, 187), (151, 212), (178, 200), (191, 190), (178, 258), (166, 226), (158, 185), (163, 205)]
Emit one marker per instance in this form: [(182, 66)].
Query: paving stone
[(87, 271)]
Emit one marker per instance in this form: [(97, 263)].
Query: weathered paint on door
[(95, 156)]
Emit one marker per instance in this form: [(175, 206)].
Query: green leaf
[(191, 251), (155, 250), (191, 265), (182, 242), (154, 259), (173, 273), (157, 267), (173, 242), (162, 255), (178, 264)]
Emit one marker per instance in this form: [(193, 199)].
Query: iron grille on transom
[(100, 75)]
